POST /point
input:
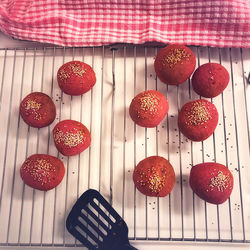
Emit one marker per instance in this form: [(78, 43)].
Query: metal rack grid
[(34, 218)]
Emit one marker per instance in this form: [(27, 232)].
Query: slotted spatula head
[(95, 223)]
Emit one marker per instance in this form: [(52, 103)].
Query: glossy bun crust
[(154, 176), (38, 110), (148, 108), (198, 119), (71, 137), (210, 79), (212, 182), (76, 78), (174, 64), (42, 172)]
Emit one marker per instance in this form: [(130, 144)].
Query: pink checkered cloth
[(220, 23)]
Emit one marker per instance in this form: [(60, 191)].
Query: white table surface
[(8, 42), (157, 246)]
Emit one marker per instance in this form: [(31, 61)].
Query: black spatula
[(95, 223)]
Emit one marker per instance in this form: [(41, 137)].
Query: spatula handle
[(128, 247)]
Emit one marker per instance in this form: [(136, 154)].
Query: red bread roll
[(154, 176), (212, 182), (76, 78), (38, 110), (71, 137), (42, 172), (174, 64), (148, 108), (198, 119), (210, 79)]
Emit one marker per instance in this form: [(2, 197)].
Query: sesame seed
[(175, 56), (63, 75), (149, 103), (39, 169), (69, 139), (156, 183), (32, 107), (198, 114), (32, 104), (77, 69), (221, 182)]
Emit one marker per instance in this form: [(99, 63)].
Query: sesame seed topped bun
[(154, 176), (76, 78), (198, 119), (42, 172), (148, 108), (71, 137), (212, 182), (174, 64), (38, 110)]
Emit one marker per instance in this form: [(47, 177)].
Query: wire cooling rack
[(34, 218)]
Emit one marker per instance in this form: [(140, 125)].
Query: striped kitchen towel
[(220, 23)]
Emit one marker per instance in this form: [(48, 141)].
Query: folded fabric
[(220, 23)]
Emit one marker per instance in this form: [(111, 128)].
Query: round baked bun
[(198, 119), (42, 172), (154, 176), (212, 182), (174, 64), (76, 78), (71, 137), (148, 108), (210, 79), (38, 110)]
